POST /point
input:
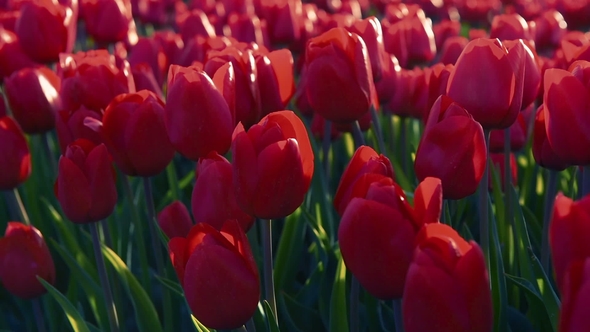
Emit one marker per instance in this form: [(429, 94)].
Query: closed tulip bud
[(452, 49), (510, 27), (15, 157), (452, 149), (284, 20), (532, 72), (144, 79), (213, 199), (365, 167), (33, 95), (248, 28), (24, 256), (411, 39), (196, 131), (444, 30), (109, 21), (272, 165), (12, 57), (575, 304), (134, 131), (275, 80), (569, 235), (411, 94), (388, 84), (339, 81), (149, 51), (370, 30), (447, 287), (45, 29), (92, 79), (85, 185), (549, 28), (437, 79), (175, 220), (492, 93), (194, 23), (543, 152), (381, 227), (218, 274), (566, 98)]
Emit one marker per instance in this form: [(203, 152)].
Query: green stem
[(355, 289), (16, 207), (483, 203), (38, 312), (357, 134), (549, 200), (157, 248), (49, 154), (378, 130), (397, 315), (508, 214), (269, 286), (104, 280), (140, 240), (173, 181)]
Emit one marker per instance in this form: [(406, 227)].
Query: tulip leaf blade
[(497, 279), (534, 300), (289, 250), (76, 321), (199, 326), (172, 285), (145, 313), (338, 299), (270, 317)]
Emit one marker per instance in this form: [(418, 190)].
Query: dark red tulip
[(109, 21), (85, 185), (194, 23), (45, 29), (370, 30), (452, 49), (33, 96), (492, 94), (444, 30), (2, 106), (575, 315), (152, 11), (248, 28), (213, 199), (477, 11), (411, 39), (196, 131), (447, 286), (566, 97), (70, 126), (339, 82), (543, 152), (15, 157), (144, 79), (134, 131), (510, 27), (569, 235), (381, 227), (275, 80), (284, 20), (452, 149), (24, 256), (438, 76), (149, 51), (518, 136), (92, 79), (366, 166), (532, 71), (12, 57), (411, 94), (218, 274), (272, 165), (386, 87), (175, 220), (549, 27)]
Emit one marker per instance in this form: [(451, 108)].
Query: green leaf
[(172, 285), (338, 310), (534, 301), (498, 281), (146, 315), (289, 250), (270, 318), (76, 321), (199, 326)]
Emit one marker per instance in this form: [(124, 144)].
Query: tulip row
[(410, 239)]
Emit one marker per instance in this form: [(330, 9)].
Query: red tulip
[(284, 20), (12, 57), (411, 39), (377, 231), (549, 28), (437, 79), (218, 274), (566, 98), (195, 132), (387, 86), (45, 29), (275, 80), (149, 51), (24, 256), (366, 166), (569, 235), (144, 79), (213, 199), (339, 82), (92, 79), (452, 49), (70, 127), (491, 93), (532, 72), (272, 165), (518, 136), (447, 287), (543, 152), (109, 21), (510, 27), (33, 95), (174, 220), (15, 157), (85, 184), (370, 30), (248, 28), (444, 30), (134, 131), (194, 23), (411, 94), (452, 148), (575, 315)]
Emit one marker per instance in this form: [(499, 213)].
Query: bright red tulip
[(366, 166), (339, 81), (275, 80), (543, 152), (24, 256), (12, 57), (134, 131), (45, 29), (196, 131), (370, 31), (492, 93), (447, 287), (33, 96), (437, 79), (85, 185), (575, 313), (452, 148), (569, 235), (218, 274), (213, 199), (15, 157), (109, 21), (175, 220), (272, 165)]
